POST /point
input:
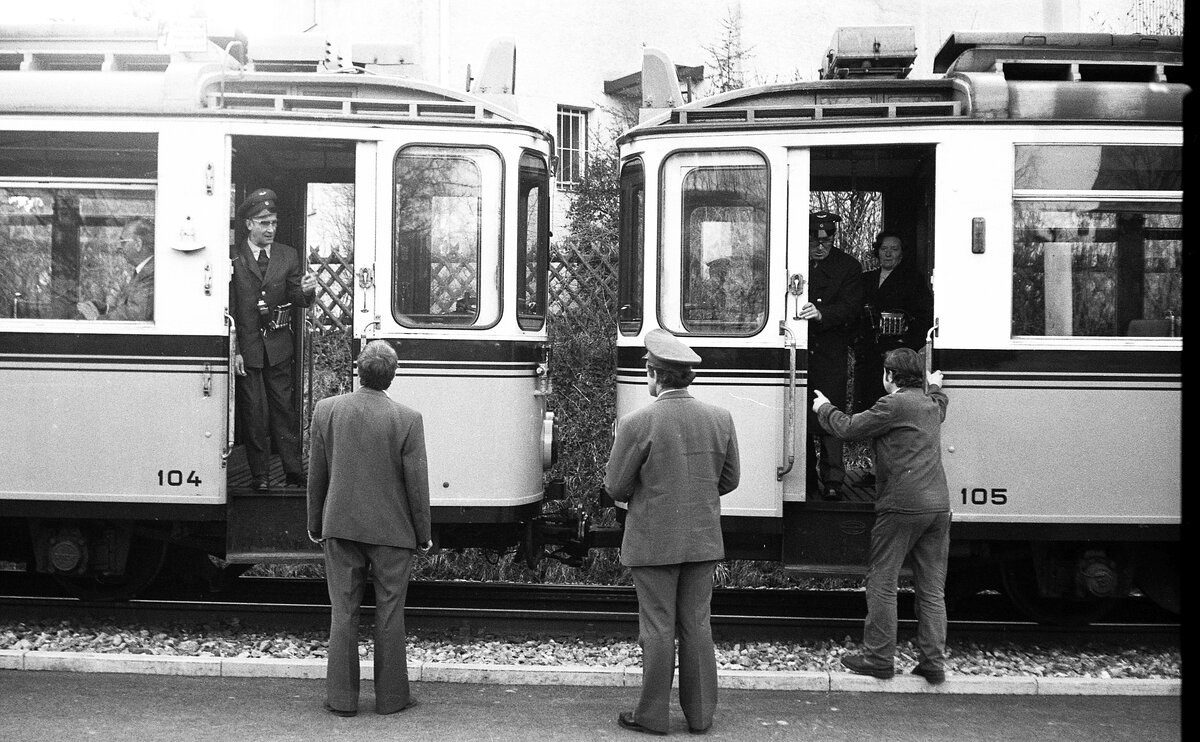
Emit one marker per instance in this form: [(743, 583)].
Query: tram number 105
[(981, 496), (175, 478)]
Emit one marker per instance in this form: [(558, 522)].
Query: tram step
[(269, 527)]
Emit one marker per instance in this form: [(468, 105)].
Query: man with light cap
[(671, 462), (835, 300), (267, 279)]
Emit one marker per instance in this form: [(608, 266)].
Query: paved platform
[(585, 676), (65, 706)]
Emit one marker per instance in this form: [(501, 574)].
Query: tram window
[(1098, 167), (724, 253), (1097, 268), (77, 225), (438, 238), (533, 237), (632, 248)]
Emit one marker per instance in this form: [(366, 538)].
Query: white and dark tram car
[(119, 437), (1037, 182)]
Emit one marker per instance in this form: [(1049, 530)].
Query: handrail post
[(789, 412)]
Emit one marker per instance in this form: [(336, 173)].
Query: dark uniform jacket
[(672, 461), (259, 346), (368, 476), (905, 429), (835, 287)]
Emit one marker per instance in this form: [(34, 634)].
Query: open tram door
[(875, 189), (315, 181)]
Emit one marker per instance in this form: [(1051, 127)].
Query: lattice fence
[(334, 306), (579, 279)]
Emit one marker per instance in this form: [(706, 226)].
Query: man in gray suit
[(672, 461), (368, 504)]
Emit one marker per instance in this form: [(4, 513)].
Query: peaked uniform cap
[(259, 203), (664, 349), (822, 224)]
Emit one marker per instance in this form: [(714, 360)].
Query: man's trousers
[(346, 564)]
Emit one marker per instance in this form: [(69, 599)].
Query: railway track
[(473, 608)]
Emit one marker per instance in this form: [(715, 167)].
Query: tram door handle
[(795, 289)]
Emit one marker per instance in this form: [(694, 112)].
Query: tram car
[(119, 441), (1036, 181)]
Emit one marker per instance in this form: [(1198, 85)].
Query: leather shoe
[(259, 484), (625, 719), (411, 702), (935, 675), (339, 712), (296, 480), (859, 664)]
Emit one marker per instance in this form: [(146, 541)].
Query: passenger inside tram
[(897, 312), (132, 296)]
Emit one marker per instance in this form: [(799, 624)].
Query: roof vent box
[(871, 51)]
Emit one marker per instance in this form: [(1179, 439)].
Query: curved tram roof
[(984, 76)]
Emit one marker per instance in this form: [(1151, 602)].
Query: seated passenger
[(133, 300)]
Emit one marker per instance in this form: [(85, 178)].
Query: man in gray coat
[(368, 504), (672, 461), (912, 514)]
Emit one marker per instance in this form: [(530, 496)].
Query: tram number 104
[(175, 478), (982, 496)]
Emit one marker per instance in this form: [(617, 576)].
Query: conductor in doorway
[(672, 461), (835, 300), (268, 279)]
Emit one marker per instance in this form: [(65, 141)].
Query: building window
[(572, 146)]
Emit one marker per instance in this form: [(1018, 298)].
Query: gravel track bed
[(230, 639)]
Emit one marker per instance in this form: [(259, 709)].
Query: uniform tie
[(263, 260)]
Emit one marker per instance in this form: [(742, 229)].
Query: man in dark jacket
[(835, 301), (368, 505), (672, 461), (912, 515), (268, 279)]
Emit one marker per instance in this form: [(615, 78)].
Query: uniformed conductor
[(267, 277), (368, 505), (672, 461)]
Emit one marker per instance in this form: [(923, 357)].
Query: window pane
[(1097, 268), (77, 253), (533, 227), (77, 225), (1095, 167), (438, 237), (725, 250), (571, 146), (632, 248)]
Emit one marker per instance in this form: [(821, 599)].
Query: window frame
[(673, 172), (571, 146), (535, 319), (1126, 196), (492, 182)]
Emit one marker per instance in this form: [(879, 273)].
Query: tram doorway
[(884, 195), (314, 181)]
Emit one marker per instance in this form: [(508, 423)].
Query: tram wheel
[(1019, 580), (146, 559)]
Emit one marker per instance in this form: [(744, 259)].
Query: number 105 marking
[(175, 478), (981, 496)]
